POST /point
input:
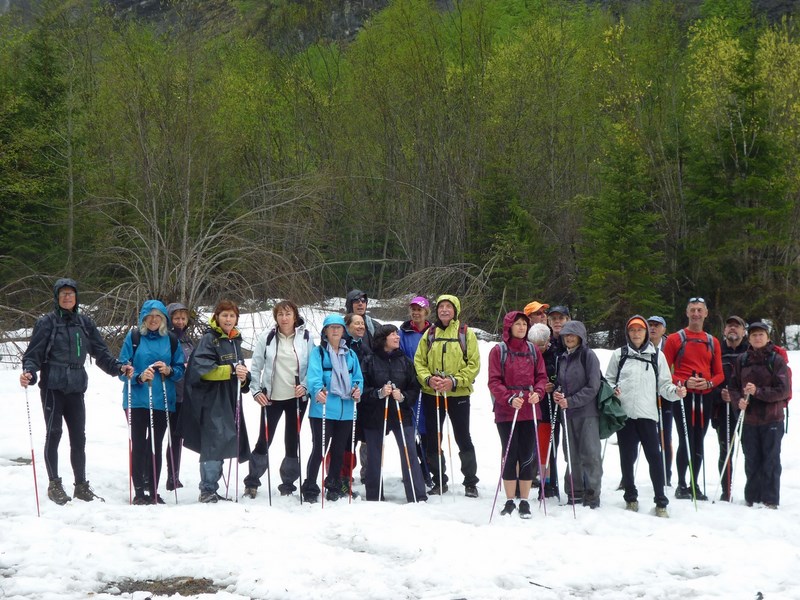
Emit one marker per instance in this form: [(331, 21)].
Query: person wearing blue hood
[(156, 368), (334, 384), (58, 347), (578, 383)]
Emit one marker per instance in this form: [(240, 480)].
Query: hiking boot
[(83, 491), (332, 494), (683, 493), (700, 496), (159, 499), (208, 497), (524, 510), (591, 500), (436, 491), (725, 497), (311, 498), (344, 492), (141, 499), (471, 491), (661, 511), (509, 508), (770, 506), (56, 493), (632, 506), (250, 492)]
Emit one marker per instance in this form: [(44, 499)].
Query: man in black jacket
[(60, 342)]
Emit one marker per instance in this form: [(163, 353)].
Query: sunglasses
[(697, 299), (360, 301)]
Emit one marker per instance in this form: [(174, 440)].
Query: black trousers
[(644, 431), (698, 416), (522, 450), (60, 408), (458, 410), (141, 452), (259, 459), (762, 462), (338, 432)]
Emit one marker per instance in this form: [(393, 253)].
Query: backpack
[(136, 339), (625, 356), (504, 357), (56, 323), (612, 415), (682, 335), (462, 338), (271, 336)]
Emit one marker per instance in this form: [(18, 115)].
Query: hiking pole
[(170, 456), (130, 444), (269, 466), (383, 441), (738, 443), (538, 455), (449, 445), (503, 464), (33, 457), (661, 436), (324, 454), (352, 451), (569, 463), (702, 447), (553, 421), (238, 432), (688, 451), (405, 449), (439, 445), (728, 442), (153, 441), (725, 465), (299, 421)]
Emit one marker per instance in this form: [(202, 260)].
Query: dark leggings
[(520, 451), (273, 414), (70, 409), (697, 428), (339, 434), (142, 455)]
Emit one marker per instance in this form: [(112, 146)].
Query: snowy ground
[(445, 549)]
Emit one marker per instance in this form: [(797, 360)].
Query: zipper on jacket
[(78, 342)]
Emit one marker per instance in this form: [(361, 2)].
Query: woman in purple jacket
[(517, 379)]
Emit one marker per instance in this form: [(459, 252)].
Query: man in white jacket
[(639, 374)]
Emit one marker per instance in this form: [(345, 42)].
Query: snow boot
[(524, 510)]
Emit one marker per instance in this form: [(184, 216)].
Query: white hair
[(539, 334), (162, 328)]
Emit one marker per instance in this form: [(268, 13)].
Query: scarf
[(341, 384)]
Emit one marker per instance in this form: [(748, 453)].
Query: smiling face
[(153, 321), (446, 312), (392, 342), (67, 298), (419, 314), (180, 319), (697, 313), (571, 341), (357, 327), (360, 306)]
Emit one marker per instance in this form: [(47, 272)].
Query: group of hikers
[(366, 379)]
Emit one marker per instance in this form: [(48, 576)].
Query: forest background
[(617, 157)]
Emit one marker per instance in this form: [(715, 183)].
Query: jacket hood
[(509, 320), (173, 308), (333, 320), (628, 337), (351, 296), (150, 305), (452, 300), (575, 328), (62, 283)]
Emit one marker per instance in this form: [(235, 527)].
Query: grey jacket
[(579, 375)]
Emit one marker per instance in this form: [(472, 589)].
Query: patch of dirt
[(186, 586), (21, 460)]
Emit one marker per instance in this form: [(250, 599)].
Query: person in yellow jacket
[(447, 362)]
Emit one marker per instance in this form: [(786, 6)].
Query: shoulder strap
[(623, 356), (462, 339), (136, 339), (503, 357)]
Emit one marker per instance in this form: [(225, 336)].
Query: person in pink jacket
[(517, 378)]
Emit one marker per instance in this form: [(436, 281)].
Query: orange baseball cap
[(533, 307)]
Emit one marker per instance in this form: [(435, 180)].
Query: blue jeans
[(210, 473)]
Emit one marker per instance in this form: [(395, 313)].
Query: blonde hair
[(162, 328)]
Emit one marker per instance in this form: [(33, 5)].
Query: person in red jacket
[(517, 379), (695, 358)]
